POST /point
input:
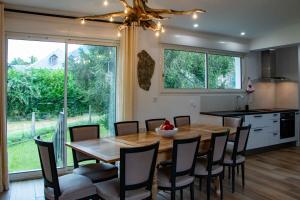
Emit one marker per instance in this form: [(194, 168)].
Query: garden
[(36, 97)]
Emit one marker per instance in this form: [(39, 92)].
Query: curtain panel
[(126, 74), (3, 144)]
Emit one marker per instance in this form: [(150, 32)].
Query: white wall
[(153, 103), (289, 35), (53, 26), (204, 40)]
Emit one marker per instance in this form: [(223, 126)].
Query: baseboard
[(271, 148)]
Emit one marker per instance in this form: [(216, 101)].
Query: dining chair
[(137, 167), (126, 127), (98, 171), (182, 120), (67, 187), (233, 122), (236, 157), (212, 165), (152, 124), (180, 174)]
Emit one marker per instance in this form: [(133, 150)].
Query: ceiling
[(230, 17)]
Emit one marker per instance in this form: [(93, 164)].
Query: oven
[(287, 125)]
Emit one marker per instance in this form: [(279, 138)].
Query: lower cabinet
[(265, 130)]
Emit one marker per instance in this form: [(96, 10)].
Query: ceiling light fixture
[(119, 34), (196, 25), (195, 16), (157, 33), (82, 21), (243, 33), (139, 14)]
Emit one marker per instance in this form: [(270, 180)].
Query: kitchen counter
[(233, 113)]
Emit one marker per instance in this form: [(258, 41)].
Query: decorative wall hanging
[(145, 70)]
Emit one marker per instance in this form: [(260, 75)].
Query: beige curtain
[(3, 146), (126, 74)]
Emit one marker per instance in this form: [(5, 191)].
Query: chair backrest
[(151, 124), (184, 157), (182, 121), (241, 139), (217, 149), (137, 166), (48, 165), (233, 122), (80, 133), (126, 127)]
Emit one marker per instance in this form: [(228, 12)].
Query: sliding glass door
[(48, 92), (91, 87)]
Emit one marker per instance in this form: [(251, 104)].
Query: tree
[(186, 69), (93, 72)]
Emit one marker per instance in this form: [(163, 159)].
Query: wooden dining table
[(108, 149)]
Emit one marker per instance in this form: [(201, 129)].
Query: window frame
[(37, 173), (206, 90)]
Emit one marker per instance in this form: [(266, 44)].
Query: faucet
[(237, 106)]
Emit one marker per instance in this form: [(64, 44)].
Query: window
[(184, 69), (224, 72)]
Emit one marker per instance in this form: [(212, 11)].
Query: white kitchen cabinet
[(265, 130)]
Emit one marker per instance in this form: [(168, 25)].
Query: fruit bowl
[(166, 133)]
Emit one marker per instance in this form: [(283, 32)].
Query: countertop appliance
[(287, 125)]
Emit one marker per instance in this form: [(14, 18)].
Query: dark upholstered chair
[(233, 122), (180, 174), (67, 187), (97, 171), (212, 165), (126, 127), (151, 124), (137, 167), (182, 121), (236, 157)]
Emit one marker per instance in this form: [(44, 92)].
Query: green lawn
[(23, 156)]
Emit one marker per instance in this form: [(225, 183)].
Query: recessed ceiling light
[(105, 3), (243, 33), (222, 42), (196, 25)]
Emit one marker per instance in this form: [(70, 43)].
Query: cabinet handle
[(275, 134), (257, 116), (274, 115), (275, 121), (258, 129)]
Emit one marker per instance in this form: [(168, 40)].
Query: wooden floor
[(272, 175)]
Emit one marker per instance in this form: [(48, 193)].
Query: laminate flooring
[(273, 175)]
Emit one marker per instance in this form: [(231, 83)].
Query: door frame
[(34, 174)]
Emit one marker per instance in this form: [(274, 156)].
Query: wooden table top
[(108, 149)]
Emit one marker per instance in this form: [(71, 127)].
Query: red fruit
[(171, 126), (167, 122)]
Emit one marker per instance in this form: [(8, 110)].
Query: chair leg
[(181, 194), (173, 195), (229, 172), (233, 179), (243, 174), (221, 187), (237, 170), (192, 191), (208, 187), (200, 183)]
